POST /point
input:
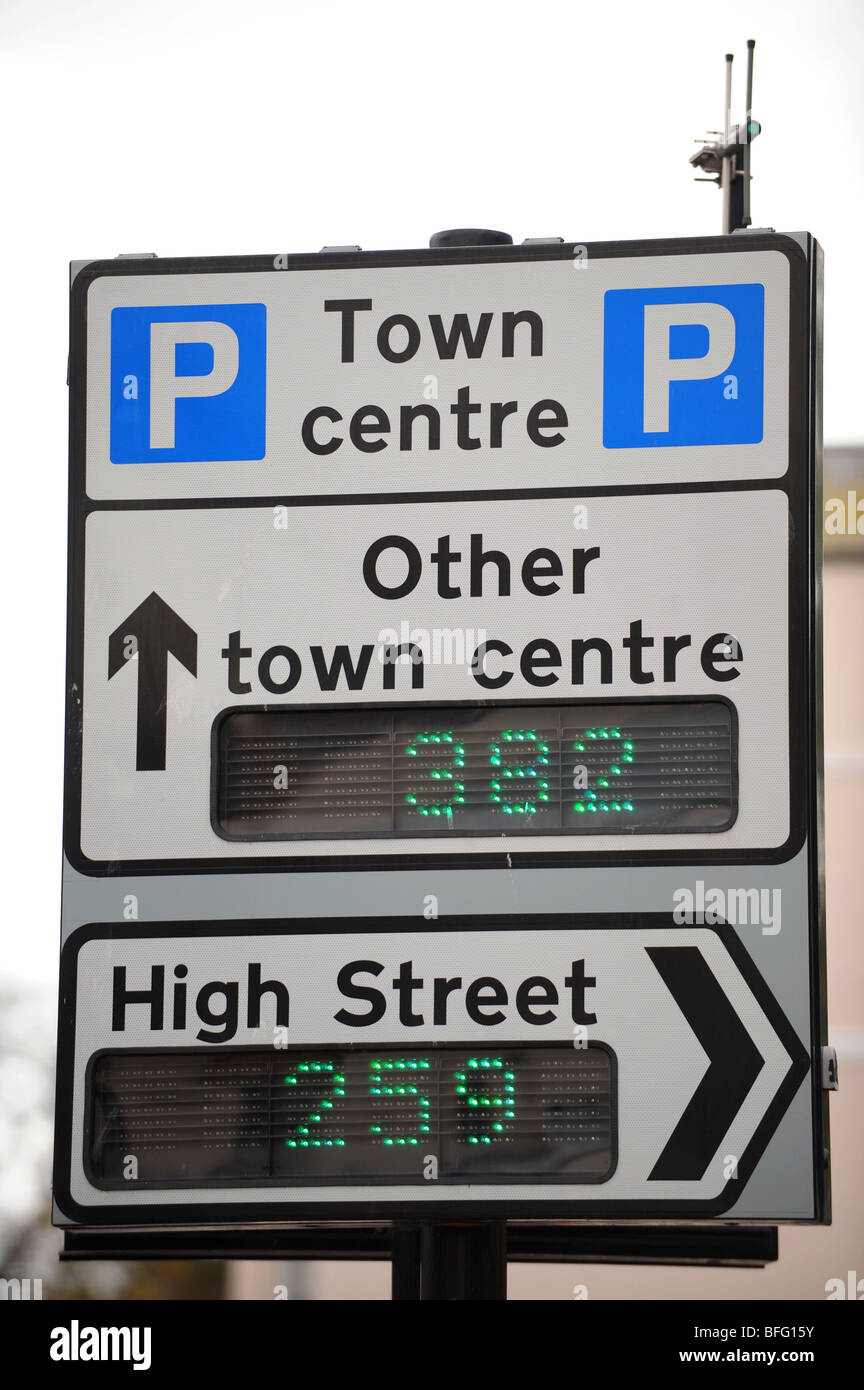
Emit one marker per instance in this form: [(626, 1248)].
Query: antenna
[(727, 161)]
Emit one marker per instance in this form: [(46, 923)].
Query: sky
[(202, 127)]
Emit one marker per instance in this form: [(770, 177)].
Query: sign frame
[(802, 485)]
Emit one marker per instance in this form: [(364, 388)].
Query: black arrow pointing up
[(734, 1063), (157, 630)]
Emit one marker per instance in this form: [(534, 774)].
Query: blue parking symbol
[(188, 383), (683, 366)]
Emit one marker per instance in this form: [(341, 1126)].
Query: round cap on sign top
[(470, 236)]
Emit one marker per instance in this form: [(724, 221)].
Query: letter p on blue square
[(683, 366), (189, 383)]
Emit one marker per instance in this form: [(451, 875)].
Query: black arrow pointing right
[(734, 1064)]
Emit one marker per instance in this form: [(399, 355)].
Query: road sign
[(442, 821), (634, 622), (527, 1106)]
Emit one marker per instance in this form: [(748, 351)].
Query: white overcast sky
[(200, 126)]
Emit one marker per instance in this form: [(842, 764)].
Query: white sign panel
[(300, 607), (659, 1054), (332, 382)]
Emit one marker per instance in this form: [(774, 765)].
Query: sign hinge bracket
[(830, 1075)]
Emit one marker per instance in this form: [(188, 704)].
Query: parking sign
[(188, 385), (684, 366)]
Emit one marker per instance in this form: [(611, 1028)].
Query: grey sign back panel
[(510, 895)]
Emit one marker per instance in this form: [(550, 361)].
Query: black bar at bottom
[(526, 1241)]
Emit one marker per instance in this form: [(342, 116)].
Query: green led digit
[(487, 1100), (402, 1103), (439, 788), (608, 743), (315, 1128), (520, 780)]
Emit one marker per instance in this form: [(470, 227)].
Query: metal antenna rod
[(745, 173), (726, 169)]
